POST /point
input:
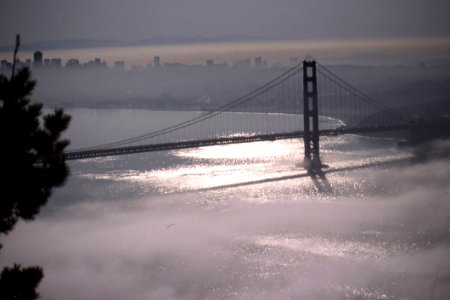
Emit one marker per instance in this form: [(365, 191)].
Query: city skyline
[(360, 52), (40, 61)]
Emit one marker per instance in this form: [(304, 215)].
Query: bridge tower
[(310, 116)]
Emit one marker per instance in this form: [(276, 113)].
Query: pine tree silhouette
[(20, 284), (31, 156), (31, 164)]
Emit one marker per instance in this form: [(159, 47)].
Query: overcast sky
[(286, 19)]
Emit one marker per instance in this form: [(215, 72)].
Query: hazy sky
[(285, 19)]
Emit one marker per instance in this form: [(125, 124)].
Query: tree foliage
[(31, 164), (20, 284), (31, 154)]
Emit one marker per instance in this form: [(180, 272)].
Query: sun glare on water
[(256, 150)]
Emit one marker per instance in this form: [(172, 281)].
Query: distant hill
[(98, 43), (66, 44)]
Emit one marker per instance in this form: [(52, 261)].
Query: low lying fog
[(386, 235)]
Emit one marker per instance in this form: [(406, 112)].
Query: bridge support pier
[(310, 116)]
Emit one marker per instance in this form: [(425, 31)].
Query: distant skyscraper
[(73, 63), (37, 59), (56, 62), (157, 61), (258, 61)]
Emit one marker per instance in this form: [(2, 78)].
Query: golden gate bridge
[(307, 101)]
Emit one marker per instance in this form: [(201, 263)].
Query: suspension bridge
[(307, 101)]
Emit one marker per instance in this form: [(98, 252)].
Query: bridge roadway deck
[(83, 154)]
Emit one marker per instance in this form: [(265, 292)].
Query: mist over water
[(242, 222)]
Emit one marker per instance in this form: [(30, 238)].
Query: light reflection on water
[(241, 166), (327, 247), (240, 152)]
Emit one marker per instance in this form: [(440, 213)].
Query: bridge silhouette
[(307, 101)]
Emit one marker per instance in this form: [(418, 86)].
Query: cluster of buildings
[(40, 62), (54, 63)]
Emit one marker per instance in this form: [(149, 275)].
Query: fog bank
[(382, 234)]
